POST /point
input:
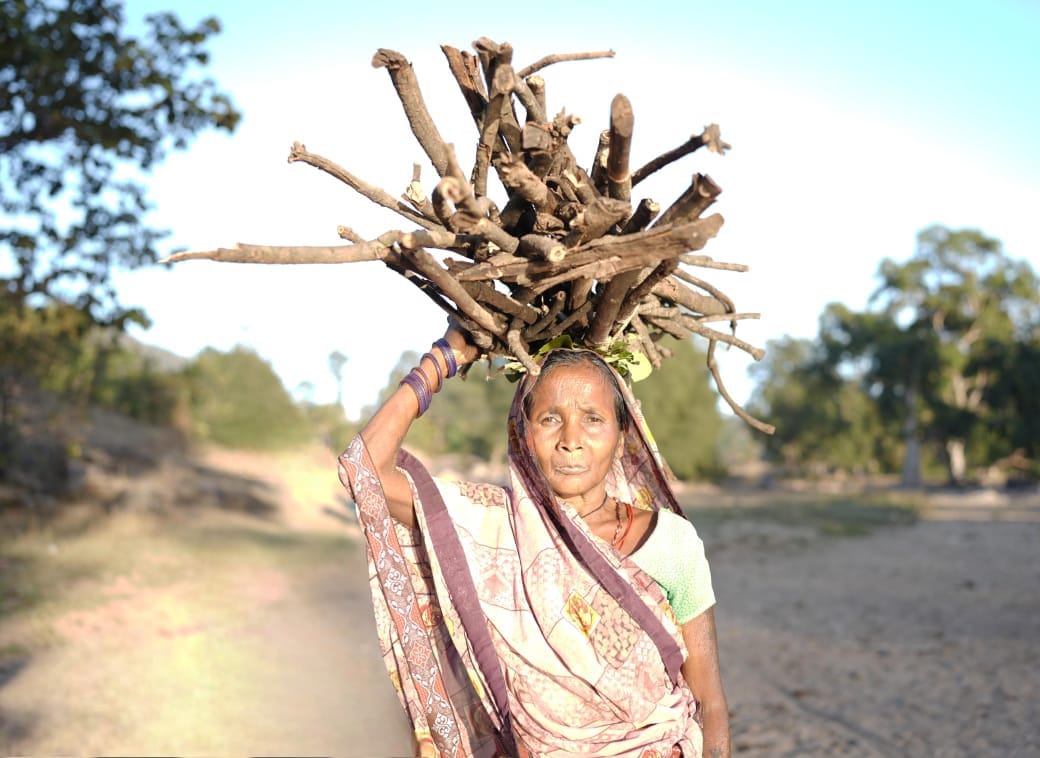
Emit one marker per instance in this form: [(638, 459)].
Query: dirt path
[(219, 637), (219, 634), (919, 641)]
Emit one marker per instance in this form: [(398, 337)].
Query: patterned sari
[(508, 628)]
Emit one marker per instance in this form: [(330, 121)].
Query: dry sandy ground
[(228, 634)]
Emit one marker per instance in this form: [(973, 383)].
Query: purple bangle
[(449, 356), (440, 379), (420, 385)]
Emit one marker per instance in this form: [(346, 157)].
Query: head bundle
[(568, 257)]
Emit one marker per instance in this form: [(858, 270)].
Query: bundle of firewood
[(568, 253)]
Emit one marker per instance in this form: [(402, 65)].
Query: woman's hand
[(465, 351)]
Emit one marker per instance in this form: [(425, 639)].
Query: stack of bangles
[(420, 382)]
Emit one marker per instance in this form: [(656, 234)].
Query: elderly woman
[(566, 614)]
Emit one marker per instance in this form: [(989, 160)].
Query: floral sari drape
[(557, 645)]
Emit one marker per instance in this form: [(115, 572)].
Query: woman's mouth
[(569, 470)]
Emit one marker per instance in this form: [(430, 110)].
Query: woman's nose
[(570, 436)]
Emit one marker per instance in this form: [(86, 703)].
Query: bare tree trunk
[(956, 461), (912, 456)]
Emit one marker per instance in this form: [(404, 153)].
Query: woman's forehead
[(582, 380)]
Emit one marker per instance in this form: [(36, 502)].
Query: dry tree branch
[(567, 254), (299, 153), (710, 137), (619, 180), (559, 58), (376, 250), (407, 86), (713, 366), (693, 202)]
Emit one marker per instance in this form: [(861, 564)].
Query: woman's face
[(574, 432)]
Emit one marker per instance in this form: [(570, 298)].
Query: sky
[(853, 127)]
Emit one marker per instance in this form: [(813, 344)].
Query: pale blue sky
[(853, 125)]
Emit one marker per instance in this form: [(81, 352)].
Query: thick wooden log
[(486, 294), (640, 219), (407, 86), (640, 249), (672, 290), (516, 176), (542, 247), (466, 70), (622, 121), (693, 202), (598, 217)]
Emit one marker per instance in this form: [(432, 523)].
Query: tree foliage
[(681, 410), (84, 109), (941, 368), (824, 421), (237, 400)]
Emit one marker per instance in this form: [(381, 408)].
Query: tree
[(680, 408), (937, 340), (238, 401), (824, 420), (84, 110)]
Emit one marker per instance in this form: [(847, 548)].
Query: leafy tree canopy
[(84, 109), (680, 407), (238, 401)]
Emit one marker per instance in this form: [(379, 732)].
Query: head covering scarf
[(508, 628)]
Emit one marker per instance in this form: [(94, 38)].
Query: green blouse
[(673, 555)]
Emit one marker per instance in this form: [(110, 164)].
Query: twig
[(555, 307), (555, 330), (713, 366), (559, 58), (644, 288), (415, 195), (670, 289), (429, 268), (646, 342), (299, 153), (519, 349), (710, 137), (290, 254)]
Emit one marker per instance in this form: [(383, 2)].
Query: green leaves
[(82, 103), (626, 360)]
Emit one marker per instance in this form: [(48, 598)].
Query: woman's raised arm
[(385, 431)]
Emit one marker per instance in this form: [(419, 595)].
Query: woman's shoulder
[(676, 524), (479, 493)]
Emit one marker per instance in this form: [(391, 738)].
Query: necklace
[(615, 541), (586, 515)]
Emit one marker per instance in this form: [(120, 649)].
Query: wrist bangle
[(449, 356), (420, 385), (437, 365)]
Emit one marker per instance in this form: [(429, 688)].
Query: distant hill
[(161, 359)]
